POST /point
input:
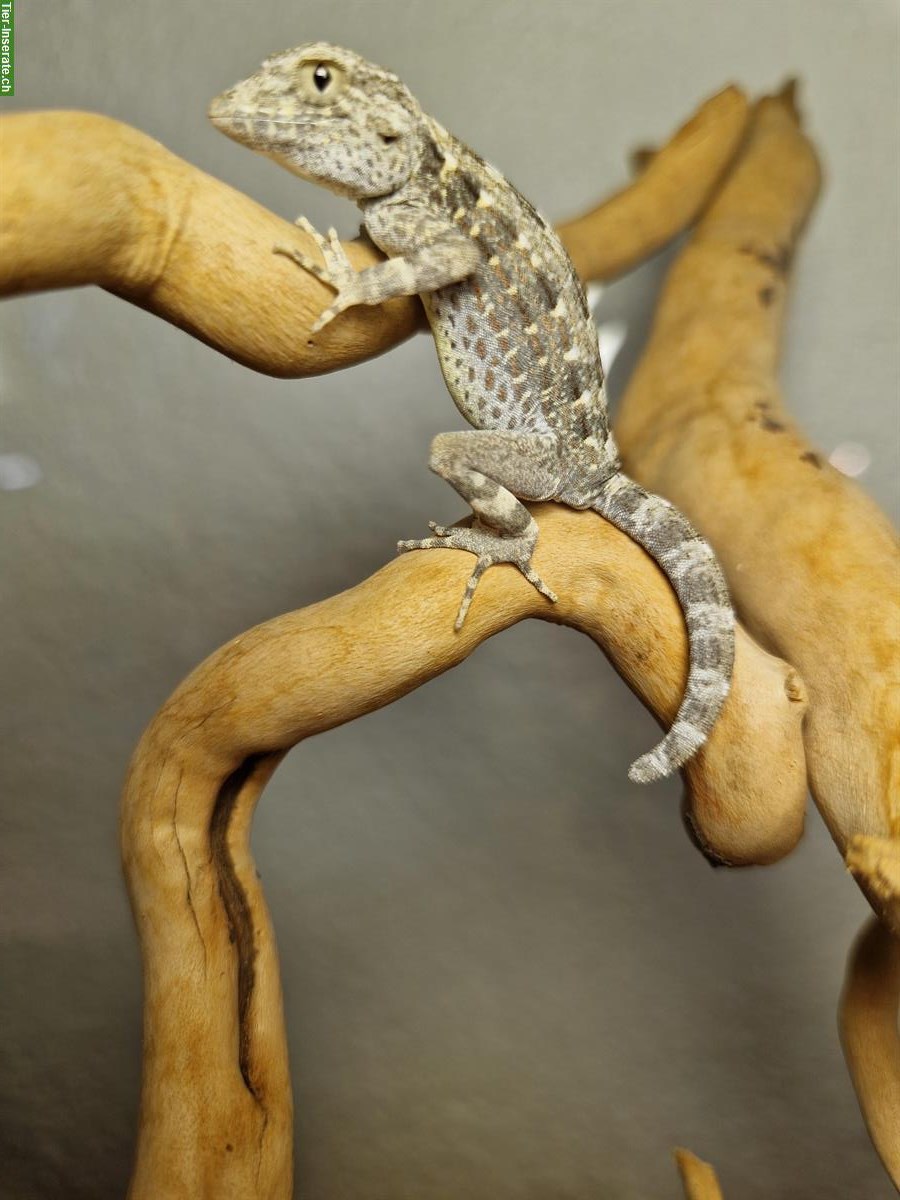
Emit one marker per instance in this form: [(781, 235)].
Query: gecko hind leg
[(491, 470)]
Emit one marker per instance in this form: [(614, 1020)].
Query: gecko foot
[(337, 272), (489, 548)]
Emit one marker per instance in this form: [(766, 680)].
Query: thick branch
[(87, 199), (871, 1039), (214, 1053), (811, 561), (199, 254)]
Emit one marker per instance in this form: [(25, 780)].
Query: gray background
[(508, 974)]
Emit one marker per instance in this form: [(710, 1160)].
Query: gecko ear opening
[(391, 126)]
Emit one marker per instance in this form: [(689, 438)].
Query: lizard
[(517, 346)]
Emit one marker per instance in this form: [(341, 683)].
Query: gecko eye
[(320, 82)]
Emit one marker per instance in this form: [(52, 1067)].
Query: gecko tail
[(696, 577)]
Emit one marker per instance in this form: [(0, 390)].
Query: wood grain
[(86, 199), (811, 562), (215, 1060)]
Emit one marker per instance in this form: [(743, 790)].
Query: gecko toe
[(324, 319), (535, 580), (490, 549), (435, 543), (304, 261)]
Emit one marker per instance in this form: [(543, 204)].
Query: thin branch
[(673, 186), (697, 1177)]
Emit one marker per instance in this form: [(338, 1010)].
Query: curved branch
[(214, 1053), (90, 200), (672, 188), (93, 201), (811, 561), (875, 862), (868, 1016)]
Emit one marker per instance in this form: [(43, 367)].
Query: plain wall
[(507, 973)]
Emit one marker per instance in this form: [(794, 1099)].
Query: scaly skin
[(514, 336)]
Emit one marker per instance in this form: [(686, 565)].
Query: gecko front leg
[(445, 256), (493, 470)]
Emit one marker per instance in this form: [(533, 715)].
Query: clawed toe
[(304, 261), (325, 319), (490, 549), (435, 543), (336, 273), (325, 244), (535, 580)]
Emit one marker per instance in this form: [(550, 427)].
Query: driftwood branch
[(214, 1053), (672, 188), (811, 561), (87, 200), (869, 1011)]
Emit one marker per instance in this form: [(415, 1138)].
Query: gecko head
[(329, 116)]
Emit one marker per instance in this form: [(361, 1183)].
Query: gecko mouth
[(258, 129), (220, 109), (236, 124)]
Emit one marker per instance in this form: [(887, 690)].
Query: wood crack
[(187, 873), (237, 906)]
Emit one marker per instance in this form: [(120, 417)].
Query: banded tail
[(696, 577)]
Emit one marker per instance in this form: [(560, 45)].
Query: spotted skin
[(514, 337)]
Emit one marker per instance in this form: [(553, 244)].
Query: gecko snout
[(221, 106)]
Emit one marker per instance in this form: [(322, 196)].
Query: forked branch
[(804, 549)]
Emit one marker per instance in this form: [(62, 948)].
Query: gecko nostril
[(220, 106)]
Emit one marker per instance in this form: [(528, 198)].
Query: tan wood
[(88, 200), (697, 1177), (672, 188), (811, 561), (870, 1038), (214, 1052)]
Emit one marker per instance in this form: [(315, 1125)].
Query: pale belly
[(499, 376)]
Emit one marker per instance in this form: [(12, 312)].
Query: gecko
[(517, 345)]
